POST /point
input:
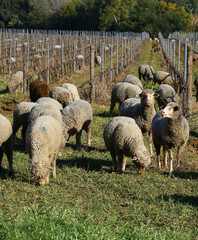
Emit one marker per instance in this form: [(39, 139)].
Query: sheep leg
[(157, 148), (113, 156), (8, 147), (54, 166), (179, 149), (89, 134), (1, 154), (150, 143), (170, 152), (165, 158), (112, 107), (121, 164), (78, 140)]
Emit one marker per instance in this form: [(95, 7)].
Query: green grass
[(87, 201)]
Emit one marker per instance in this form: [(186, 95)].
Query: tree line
[(152, 16)]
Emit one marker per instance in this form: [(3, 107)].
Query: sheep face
[(142, 159), (171, 111), (147, 97), (43, 181)]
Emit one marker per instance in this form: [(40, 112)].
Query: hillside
[(87, 201)]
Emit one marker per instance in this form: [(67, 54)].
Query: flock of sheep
[(55, 114)]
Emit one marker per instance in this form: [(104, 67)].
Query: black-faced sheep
[(62, 95), (16, 82), (6, 141), (170, 129), (162, 77), (146, 72), (43, 140), (142, 111), (166, 95), (20, 117), (38, 89), (123, 138), (133, 80), (122, 91), (77, 116), (73, 90)]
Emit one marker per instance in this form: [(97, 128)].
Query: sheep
[(49, 100), (6, 141), (98, 60), (146, 72), (142, 111), (166, 95), (123, 138), (62, 95), (16, 82), (73, 90), (170, 129), (38, 89), (45, 109), (80, 58), (162, 77), (134, 80), (196, 85), (20, 117), (43, 140), (122, 91), (77, 116)]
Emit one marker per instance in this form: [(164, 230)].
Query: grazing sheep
[(196, 85), (142, 111), (98, 60), (62, 95), (170, 129), (133, 80), (162, 77), (77, 116), (123, 138), (80, 58), (73, 90), (38, 89), (43, 140), (16, 82), (122, 91), (20, 117), (166, 95), (45, 109), (146, 72), (49, 100), (6, 141)]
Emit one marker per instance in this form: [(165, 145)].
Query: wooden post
[(189, 82), (24, 70), (92, 84)]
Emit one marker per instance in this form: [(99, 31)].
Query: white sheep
[(77, 116), (134, 80), (142, 111), (16, 82), (145, 71), (73, 90), (62, 95), (123, 138), (49, 100), (170, 129), (98, 60), (162, 77), (6, 141), (20, 117), (122, 91), (43, 140), (166, 95)]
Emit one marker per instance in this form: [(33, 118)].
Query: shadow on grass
[(87, 148), (88, 164), (184, 175), (192, 200), (194, 134), (19, 145), (3, 91)]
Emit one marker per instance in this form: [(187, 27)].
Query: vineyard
[(87, 201)]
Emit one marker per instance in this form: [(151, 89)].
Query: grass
[(87, 201)]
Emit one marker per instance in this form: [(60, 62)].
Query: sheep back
[(162, 77), (62, 95), (49, 100), (73, 90), (166, 95), (16, 82), (133, 80), (38, 89)]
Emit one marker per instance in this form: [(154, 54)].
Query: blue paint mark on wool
[(43, 128)]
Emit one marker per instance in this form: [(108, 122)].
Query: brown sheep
[(38, 89)]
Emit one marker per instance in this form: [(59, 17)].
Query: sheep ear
[(135, 157), (156, 95), (176, 108)]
